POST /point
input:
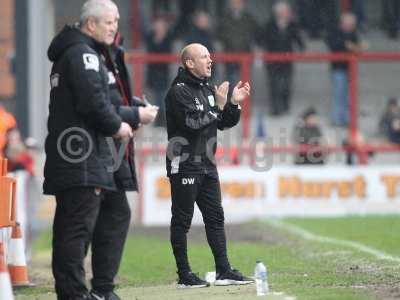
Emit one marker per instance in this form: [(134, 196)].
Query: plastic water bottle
[(261, 277)]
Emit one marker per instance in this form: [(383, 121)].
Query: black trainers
[(103, 296), (232, 277), (190, 280)]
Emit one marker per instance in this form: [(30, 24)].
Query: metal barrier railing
[(245, 60)]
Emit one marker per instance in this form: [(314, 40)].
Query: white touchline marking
[(314, 237), (282, 295)]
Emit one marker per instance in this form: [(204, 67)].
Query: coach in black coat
[(78, 168), (195, 111), (80, 111)]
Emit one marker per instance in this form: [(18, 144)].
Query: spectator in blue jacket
[(344, 39)]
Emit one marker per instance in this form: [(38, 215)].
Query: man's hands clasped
[(147, 114), (124, 132)]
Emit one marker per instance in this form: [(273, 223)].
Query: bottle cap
[(258, 261)]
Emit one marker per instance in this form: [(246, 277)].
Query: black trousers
[(83, 217), (280, 87), (205, 191)]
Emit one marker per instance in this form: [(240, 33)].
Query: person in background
[(394, 130), (391, 17), (236, 32), (389, 123), (321, 16), (307, 132), (344, 39), (392, 111), (200, 32), (7, 122), (159, 40), (280, 34), (17, 153), (351, 156), (186, 10), (357, 7)]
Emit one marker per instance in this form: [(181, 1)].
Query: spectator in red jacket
[(17, 153), (7, 122)]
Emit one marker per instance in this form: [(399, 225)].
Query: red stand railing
[(245, 60)]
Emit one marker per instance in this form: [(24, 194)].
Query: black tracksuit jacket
[(192, 122), (80, 115)]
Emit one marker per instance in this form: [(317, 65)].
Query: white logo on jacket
[(199, 106), (211, 100), (111, 78), (187, 181), (91, 62), (54, 80)]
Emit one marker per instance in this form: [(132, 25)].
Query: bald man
[(194, 111)]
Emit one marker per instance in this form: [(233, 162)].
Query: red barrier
[(245, 60)]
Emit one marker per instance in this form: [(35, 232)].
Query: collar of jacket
[(187, 77), (69, 36)]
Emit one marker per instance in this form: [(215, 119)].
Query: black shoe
[(232, 277), (103, 296), (190, 280)]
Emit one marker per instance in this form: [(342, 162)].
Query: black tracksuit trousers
[(204, 189), (83, 217)]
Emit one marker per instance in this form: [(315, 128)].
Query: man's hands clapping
[(240, 92), (221, 93)]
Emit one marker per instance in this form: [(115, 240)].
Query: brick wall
[(7, 84)]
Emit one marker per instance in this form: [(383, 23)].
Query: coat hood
[(69, 36)]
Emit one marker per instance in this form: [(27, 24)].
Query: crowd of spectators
[(232, 28), (236, 30)]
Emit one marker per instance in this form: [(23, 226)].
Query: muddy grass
[(249, 232), (40, 266)]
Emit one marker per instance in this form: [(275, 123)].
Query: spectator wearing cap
[(307, 132)]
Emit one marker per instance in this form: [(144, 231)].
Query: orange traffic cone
[(16, 259), (5, 283)]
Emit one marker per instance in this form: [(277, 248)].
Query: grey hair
[(279, 4), (95, 9)]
